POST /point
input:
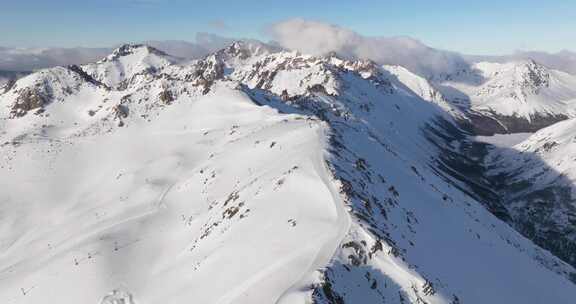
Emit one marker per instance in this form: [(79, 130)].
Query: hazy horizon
[(481, 28)]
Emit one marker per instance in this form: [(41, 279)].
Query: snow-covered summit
[(121, 68), (523, 78), (518, 96), (133, 50)]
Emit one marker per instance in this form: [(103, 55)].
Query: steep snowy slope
[(253, 175), (536, 180), (512, 97), (215, 190), (415, 235)]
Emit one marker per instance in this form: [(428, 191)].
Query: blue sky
[(474, 27)]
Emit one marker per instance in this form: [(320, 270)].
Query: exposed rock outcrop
[(28, 100)]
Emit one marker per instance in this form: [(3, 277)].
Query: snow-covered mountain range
[(262, 175), (512, 97)]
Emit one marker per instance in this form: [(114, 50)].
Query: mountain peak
[(127, 61), (244, 49), (133, 49), (535, 75)]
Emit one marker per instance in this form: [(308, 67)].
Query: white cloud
[(310, 37), (562, 61), (29, 59), (315, 38), (318, 38)]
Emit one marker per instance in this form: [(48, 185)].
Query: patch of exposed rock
[(29, 99)]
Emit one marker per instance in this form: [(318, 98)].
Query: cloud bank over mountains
[(562, 61), (30, 59), (306, 36), (318, 38)]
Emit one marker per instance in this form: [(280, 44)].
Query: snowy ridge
[(380, 168), (253, 175)]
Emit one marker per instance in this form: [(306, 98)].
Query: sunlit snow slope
[(219, 201)]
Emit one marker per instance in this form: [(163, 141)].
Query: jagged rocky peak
[(205, 72), (244, 49), (533, 75), (521, 74), (291, 74), (363, 66), (510, 97), (237, 49), (128, 64), (526, 75)]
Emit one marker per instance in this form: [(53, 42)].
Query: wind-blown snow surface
[(216, 201), (137, 179)]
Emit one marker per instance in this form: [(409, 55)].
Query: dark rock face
[(45, 91), (85, 76), (547, 216), (29, 99), (120, 111), (206, 72), (318, 89), (166, 97), (487, 124), (537, 215), (237, 49), (464, 165), (535, 77), (482, 125), (544, 214)]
